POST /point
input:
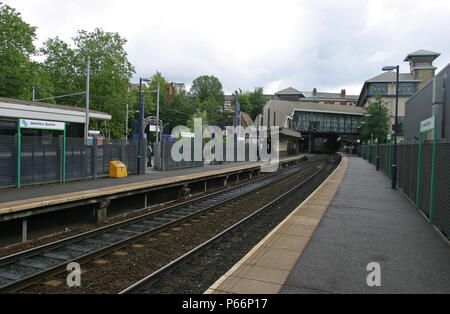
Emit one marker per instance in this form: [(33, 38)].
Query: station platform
[(325, 246), (32, 200)]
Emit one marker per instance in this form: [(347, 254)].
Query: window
[(406, 89), (381, 88)]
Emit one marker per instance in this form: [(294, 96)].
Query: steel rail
[(169, 267), (29, 280)]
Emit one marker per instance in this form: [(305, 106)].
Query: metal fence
[(42, 159), (407, 175), (164, 160)]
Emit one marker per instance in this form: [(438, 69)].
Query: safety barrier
[(53, 159), (408, 165)]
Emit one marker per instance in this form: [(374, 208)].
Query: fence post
[(143, 144), (60, 159), (390, 156), (122, 150), (192, 152), (433, 167), (419, 171), (94, 152), (64, 157), (18, 142), (180, 150), (162, 154), (386, 161)]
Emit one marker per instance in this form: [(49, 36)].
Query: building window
[(401, 125), (381, 88), (406, 89)]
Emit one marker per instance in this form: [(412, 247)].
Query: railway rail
[(26, 268), (144, 285)]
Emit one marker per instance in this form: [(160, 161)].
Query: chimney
[(342, 92), (314, 92)]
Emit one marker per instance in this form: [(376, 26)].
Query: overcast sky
[(326, 44)]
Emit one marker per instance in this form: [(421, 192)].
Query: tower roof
[(422, 53), (289, 91)]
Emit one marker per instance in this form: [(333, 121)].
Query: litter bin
[(117, 169)]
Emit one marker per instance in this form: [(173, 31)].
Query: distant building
[(229, 101), (289, 94), (339, 99), (306, 125), (421, 72), (175, 88), (12, 110)]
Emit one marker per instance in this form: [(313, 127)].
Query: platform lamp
[(394, 165), (369, 158), (378, 136)]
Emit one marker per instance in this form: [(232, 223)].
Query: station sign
[(42, 125), (152, 128), (93, 133), (187, 134), (427, 125)]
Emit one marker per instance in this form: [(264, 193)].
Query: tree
[(209, 96), (197, 115), (205, 87), (109, 76), (252, 102), (179, 110), (375, 122), (16, 49), (257, 101)]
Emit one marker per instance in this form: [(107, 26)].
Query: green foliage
[(110, 73), (208, 88), (63, 71), (209, 97), (252, 102), (198, 114), (376, 121), (16, 49)]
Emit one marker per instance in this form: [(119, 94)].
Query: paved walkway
[(363, 221)]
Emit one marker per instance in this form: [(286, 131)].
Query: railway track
[(26, 268), (145, 285)]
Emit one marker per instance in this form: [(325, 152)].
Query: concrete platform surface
[(326, 245), (267, 266), (369, 222), (15, 200)]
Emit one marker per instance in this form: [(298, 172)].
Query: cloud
[(326, 45)]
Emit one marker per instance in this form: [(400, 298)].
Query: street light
[(394, 165), (378, 137), (141, 125)]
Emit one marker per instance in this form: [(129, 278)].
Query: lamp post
[(369, 157), (378, 136), (394, 164), (141, 126), (236, 111)]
